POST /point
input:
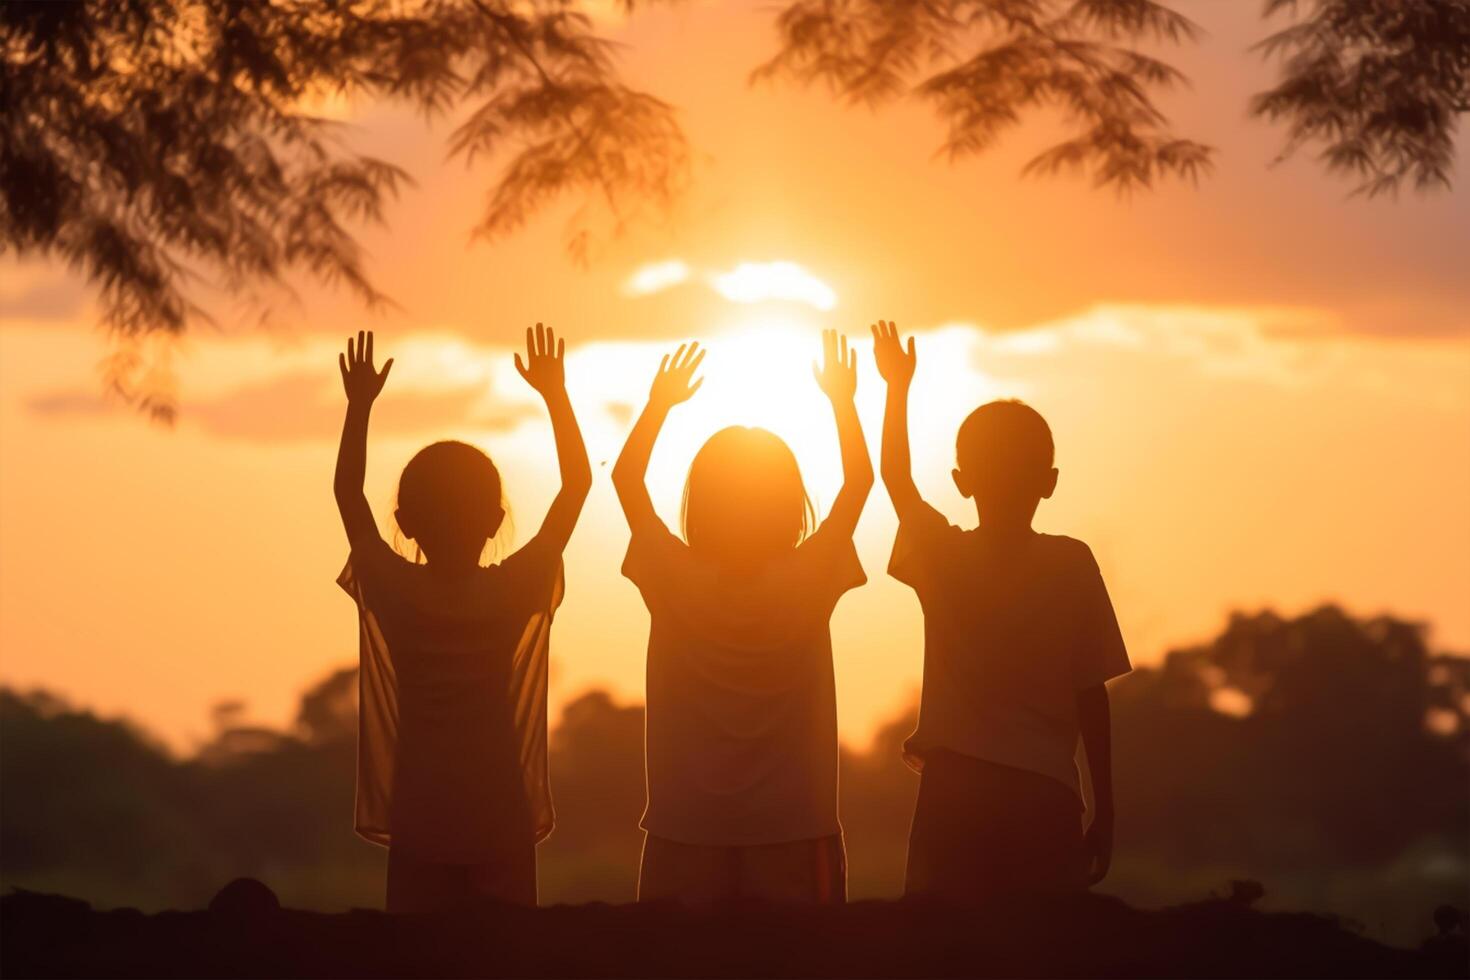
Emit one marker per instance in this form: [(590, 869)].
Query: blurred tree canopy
[(1378, 85), (1318, 740), (157, 146), (167, 147), (982, 64), (1326, 756)]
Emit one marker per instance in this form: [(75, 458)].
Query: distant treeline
[(1325, 756)]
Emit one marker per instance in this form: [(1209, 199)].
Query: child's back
[(1019, 640), (742, 717), (450, 658), (1015, 624), (742, 713), (452, 727)]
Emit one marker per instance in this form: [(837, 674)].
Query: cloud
[(257, 392), (302, 407), (1283, 347), (655, 277), (1277, 345), (261, 390), (621, 413), (757, 282), (69, 402), (747, 282), (307, 407)]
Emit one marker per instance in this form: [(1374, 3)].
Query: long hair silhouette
[(744, 499)]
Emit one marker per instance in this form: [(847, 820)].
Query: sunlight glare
[(758, 372)]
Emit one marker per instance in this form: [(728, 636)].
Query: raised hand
[(895, 362), (544, 367), (360, 379), (675, 382), (837, 374)]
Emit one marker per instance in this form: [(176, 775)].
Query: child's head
[(449, 501), (744, 501), (1004, 453)]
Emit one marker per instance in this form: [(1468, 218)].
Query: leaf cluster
[(984, 65), (162, 147)]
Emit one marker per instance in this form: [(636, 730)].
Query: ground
[(245, 933)]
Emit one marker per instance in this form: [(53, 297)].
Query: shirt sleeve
[(370, 568), (920, 547), (654, 557), (1100, 653), (530, 579), (830, 565)]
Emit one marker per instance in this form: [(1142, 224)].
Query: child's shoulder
[(1066, 550)]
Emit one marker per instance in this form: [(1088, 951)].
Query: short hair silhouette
[(450, 493), (744, 499), (1005, 434)]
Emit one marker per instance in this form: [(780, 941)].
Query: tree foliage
[(1297, 743), (167, 148), (984, 64), (1379, 85), (164, 146)]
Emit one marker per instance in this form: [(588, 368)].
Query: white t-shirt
[(1014, 628), (452, 721), (742, 714)]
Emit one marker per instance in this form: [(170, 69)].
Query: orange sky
[(1260, 389)]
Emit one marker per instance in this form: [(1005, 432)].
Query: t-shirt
[(1014, 627), (741, 733), (452, 720)]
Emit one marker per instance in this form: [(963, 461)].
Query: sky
[(1259, 387)]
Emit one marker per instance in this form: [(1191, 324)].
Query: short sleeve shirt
[(452, 726), (742, 714), (1014, 627)]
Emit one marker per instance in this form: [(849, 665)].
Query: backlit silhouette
[(452, 773), (741, 746), (1019, 638)]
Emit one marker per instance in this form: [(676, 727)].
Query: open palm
[(675, 380), (895, 361), (545, 365), (837, 374), (362, 382)]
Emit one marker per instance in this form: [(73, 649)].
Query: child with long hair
[(741, 735), (452, 726)]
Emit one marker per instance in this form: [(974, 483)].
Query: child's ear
[(1049, 484), (404, 525), (962, 484)]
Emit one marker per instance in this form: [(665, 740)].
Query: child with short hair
[(452, 774), (1019, 640), (741, 736)]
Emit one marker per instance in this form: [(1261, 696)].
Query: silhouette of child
[(452, 728), (1019, 639), (741, 735)]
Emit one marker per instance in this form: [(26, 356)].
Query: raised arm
[(673, 384), (837, 377), (896, 364), (544, 370), (1095, 720), (362, 383)]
